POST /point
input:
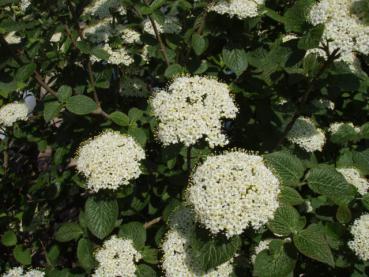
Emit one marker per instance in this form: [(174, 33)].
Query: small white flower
[(360, 242), (193, 108), (19, 272), (56, 37), (24, 4), (233, 191), (169, 26), (12, 38), (264, 244), (13, 112), (109, 160), (117, 257), (239, 8), (117, 56), (101, 8), (131, 36), (336, 126), (353, 176), (306, 135)]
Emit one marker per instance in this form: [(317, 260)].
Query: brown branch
[(331, 58), (147, 225)]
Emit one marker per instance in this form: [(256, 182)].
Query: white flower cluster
[(344, 27), (335, 127), (192, 108), (133, 86), (328, 104), (360, 232), (232, 191), (13, 112), (101, 8), (264, 244), (239, 8), (117, 257), (306, 135), (109, 160), (24, 4), (19, 272), (169, 26), (178, 259), (12, 38), (353, 176), (131, 36), (100, 31), (117, 56)]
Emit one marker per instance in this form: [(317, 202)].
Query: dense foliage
[(184, 138)]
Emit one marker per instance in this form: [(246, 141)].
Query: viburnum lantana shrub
[(184, 138)]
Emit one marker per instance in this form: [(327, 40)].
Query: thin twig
[(331, 58), (147, 225)]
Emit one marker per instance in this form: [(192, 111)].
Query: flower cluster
[(306, 135), (336, 126), (102, 8), (232, 191), (360, 232), (353, 176), (12, 38), (13, 112), (345, 27), (117, 56), (100, 31), (24, 4), (192, 108), (239, 8), (109, 160), (178, 259), (19, 272), (170, 25), (117, 257), (264, 244), (130, 36)]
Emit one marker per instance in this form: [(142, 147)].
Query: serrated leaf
[(9, 238), (85, 254), (22, 255), (311, 243), (51, 110), (290, 196), (199, 44), (235, 59), (327, 181), (286, 221), (101, 215), (275, 262), (214, 252), (80, 104), (288, 167), (68, 232), (119, 118), (134, 231)]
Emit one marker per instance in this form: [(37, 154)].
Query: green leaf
[(295, 18), (290, 196), (25, 72), (345, 134), (135, 114), (100, 53), (84, 47), (343, 214), (51, 110), (361, 161), (134, 231), (199, 44), (274, 262), (9, 238), (64, 92), (327, 181), (52, 255), (365, 201), (119, 118), (139, 134), (286, 221), (150, 255), (85, 254), (235, 59), (214, 252), (156, 4), (311, 243), (22, 255), (101, 215), (143, 270), (68, 232), (286, 166), (174, 70), (312, 38), (334, 233), (81, 105), (7, 88)]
